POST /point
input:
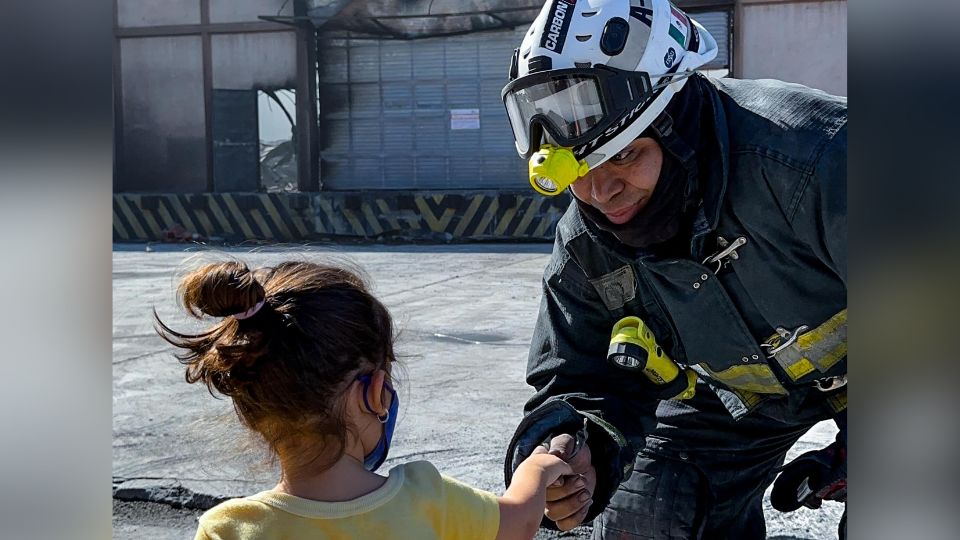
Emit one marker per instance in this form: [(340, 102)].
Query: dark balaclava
[(675, 197)]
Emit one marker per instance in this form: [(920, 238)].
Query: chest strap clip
[(723, 257), (829, 384), (783, 339)]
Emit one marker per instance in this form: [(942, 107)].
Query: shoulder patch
[(616, 288)]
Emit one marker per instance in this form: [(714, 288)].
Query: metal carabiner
[(829, 384), (729, 251), (790, 336)]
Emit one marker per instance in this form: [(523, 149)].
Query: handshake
[(569, 498)]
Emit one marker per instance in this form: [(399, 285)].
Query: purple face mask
[(378, 455)]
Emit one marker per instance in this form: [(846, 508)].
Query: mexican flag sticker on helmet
[(679, 27)]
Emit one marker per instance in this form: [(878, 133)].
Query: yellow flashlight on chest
[(553, 169), (634, 348)]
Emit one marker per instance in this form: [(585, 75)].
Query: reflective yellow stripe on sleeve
[(758, 378), (816, 350)]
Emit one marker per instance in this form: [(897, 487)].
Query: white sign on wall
[(464, 118)]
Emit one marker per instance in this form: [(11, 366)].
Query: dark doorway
[(236, 145)]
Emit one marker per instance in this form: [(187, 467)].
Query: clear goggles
[(573, 106)]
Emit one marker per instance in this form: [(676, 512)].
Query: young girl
[(305, 353)]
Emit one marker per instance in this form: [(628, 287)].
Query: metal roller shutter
[(422, 114), (718, 24)]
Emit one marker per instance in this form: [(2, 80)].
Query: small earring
[(383, 419)]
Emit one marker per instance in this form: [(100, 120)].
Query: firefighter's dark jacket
[(776, 177)]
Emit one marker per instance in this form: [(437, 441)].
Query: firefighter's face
[(622, 186)]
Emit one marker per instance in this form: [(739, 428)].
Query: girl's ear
[(375, 394)]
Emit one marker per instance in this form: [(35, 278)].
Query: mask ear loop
[(393, 395), (365, 379)]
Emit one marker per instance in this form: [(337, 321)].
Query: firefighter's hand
[(811, 478), (569, 499)]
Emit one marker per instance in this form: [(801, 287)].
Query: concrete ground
[(466, 316)]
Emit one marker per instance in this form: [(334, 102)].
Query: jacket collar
[(695, 133), (714, 155)]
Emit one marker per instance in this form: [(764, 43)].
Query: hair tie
[(250, 312)]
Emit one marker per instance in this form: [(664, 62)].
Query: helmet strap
[(662, 125)]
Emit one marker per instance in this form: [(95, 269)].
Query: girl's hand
[(522, 506), (552, 467)]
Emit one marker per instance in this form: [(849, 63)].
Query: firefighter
[(712, 210)]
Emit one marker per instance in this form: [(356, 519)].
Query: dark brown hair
[(286, 366)]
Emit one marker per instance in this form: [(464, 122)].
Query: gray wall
[(163, 130), (137, 13), (263, 60), (228, 11), (803, 42)]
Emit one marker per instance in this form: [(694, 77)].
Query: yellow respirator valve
[(634, 348), (553, 169)]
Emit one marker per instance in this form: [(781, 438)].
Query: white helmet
[(592, 75)]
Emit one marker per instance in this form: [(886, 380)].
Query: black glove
[(812, 478)]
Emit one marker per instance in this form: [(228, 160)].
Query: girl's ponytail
[(220, 356), (220, 290)]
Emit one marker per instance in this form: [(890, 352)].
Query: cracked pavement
[(465, 315)]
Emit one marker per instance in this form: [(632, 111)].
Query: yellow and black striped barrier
[(292, 217)]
